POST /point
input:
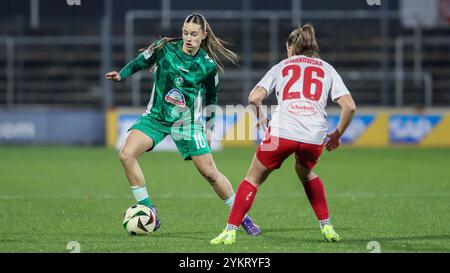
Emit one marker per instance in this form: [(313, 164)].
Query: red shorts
[(272, 151)]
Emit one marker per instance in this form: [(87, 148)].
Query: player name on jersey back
[(303, 60), (302, 86)]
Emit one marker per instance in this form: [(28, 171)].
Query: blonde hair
[(302, 40)]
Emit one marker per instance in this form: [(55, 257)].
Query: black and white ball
[(139, 220)]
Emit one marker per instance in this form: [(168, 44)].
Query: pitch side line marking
[(168, 196)]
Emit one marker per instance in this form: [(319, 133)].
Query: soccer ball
[(139, 220)]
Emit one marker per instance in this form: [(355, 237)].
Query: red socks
[(242, 203), (316, 194), (246, 192)]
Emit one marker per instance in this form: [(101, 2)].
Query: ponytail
[(303, 41), (159, 44), (215, 46)]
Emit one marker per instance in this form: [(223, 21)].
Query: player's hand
[(113, 76), (334, 141), (263, 123)]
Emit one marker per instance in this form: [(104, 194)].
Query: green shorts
[(190, 140)]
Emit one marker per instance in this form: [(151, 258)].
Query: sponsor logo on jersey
[(179, 81), (301, 108), (176, 97)]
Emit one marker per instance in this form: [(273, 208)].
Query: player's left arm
[(348, 110), (211, 89)]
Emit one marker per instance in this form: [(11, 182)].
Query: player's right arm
[(259, 93), (343, 98), (255, 99)]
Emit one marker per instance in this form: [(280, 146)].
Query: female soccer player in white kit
[(302, 83)]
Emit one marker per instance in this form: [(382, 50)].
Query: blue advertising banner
[(358, 126), (411, 128), (52, 126)]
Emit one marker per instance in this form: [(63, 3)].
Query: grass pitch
[(50, 196)]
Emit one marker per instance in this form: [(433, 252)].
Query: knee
[(308, 177), (125, 157)]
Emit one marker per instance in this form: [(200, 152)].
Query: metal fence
[(106, 95)]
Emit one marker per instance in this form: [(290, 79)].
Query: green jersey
[(181, 81)]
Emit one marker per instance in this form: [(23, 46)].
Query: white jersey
[(302, 86)]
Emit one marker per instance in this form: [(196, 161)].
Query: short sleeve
[(268, 81), (338, 88), (211, 87)]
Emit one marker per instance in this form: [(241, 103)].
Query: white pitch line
[(206, 195)]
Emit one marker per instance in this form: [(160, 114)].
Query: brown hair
[(303, 41), (213, 45), (159, 44)]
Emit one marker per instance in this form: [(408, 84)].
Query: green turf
[(52, 195)]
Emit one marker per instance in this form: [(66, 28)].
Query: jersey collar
[(184, 55)]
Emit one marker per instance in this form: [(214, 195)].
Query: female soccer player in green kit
[(185, 71)]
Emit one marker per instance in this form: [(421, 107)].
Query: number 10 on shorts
[(200, 141)]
